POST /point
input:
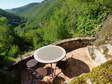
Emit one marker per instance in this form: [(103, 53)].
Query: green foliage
[(54, 20), (8, 42), (3, 20), (108, 3), (13, 19), (14, 51), (5, 37)]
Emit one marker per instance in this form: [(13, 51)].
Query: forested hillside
[(13, 19), (22, 9), (10, 46), (54, 20)]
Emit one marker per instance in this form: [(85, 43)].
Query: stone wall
[(75, 43), (67, 44)]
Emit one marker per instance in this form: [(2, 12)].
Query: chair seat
[(39, 73), (31, 63)]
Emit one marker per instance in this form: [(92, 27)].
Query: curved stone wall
[(75, 43), (67, 44)]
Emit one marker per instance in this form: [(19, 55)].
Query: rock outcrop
[(100, 54), (93, 56)]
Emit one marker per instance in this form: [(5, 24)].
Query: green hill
[(41, 9), (54, 20), (13, 19), (40, 12), (22, 9)]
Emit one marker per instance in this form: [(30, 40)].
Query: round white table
[(49, 54)]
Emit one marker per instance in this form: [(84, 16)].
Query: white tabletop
[(49, 54)]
